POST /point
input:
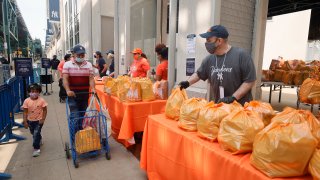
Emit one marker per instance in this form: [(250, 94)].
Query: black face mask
[(95, 56), (211, 47)]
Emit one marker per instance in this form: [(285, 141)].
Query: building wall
[(287, 36), (107, 34)]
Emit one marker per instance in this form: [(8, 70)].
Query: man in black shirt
[(54, 66), (101, 64)]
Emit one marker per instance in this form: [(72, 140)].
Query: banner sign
[(50, 30), (23, 67), (45, 62), (54, 10)]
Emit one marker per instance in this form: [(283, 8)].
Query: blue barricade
[(36, 75), (10, 101)]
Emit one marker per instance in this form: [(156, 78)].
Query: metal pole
[(116, 39), (172, 43), (4, 24)]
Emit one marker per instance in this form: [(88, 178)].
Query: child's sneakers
[(36, 153)]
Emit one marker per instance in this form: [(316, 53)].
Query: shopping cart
[(75, 120)]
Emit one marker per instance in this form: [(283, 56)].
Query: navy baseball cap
[(216, 31), (110, 51), (98, 53), (78, 49)]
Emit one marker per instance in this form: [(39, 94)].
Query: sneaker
[(36, 153)]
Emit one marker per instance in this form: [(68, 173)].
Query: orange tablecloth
[(168, 152), (96, 82), (128, 118)]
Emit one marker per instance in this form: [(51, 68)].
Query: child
[(34, 115)]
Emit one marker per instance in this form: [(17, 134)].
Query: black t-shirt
[(55, 63), (101, 62), (238, 68)]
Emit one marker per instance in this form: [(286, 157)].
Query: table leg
[(270, 93), (280, 93)]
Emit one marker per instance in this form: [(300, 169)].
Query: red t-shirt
[(162, 70), (139, 68)]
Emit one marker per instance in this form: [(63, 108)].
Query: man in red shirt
[(78, 78), (162, 69), (140, 65)]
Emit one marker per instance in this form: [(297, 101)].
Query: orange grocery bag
[(210, 117), (147, 90), (264, 109), (134, 92), (291, 115), (309, 91), (174, 103), (283, 149), (110, 86), (87, 140), (238, 130), (189, 113), (160, 89), (123, 85), (314, 165)]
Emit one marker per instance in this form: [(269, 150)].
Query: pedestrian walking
[(54, 67), (77, 80), (34, 115)]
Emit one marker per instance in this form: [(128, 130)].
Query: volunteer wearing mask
[(230, 70), (110, 56), (100, 64), (140, 65)]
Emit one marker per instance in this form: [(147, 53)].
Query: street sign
[(23, 67), (45, 62)]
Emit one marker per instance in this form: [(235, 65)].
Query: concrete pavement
[(16, 157)]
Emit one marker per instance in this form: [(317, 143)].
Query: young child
[(34, 115)]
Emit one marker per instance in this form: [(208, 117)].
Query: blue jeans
[(76, 105), (35, 130)]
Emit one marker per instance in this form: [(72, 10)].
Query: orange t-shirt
[(162, 70), (139, 68), (60, 67), (35, 108)]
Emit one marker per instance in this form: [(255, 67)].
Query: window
[(76, 30), (66, 25), (168, 17)]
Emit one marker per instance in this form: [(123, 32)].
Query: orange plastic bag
[(283, 149), (309, 91), (160, 89), (147, 90), (110, 86), (291, 115), (123, 85), (134, 92), (189, 113), (314, 165), (264, 109), (174, 103), (278, 75), (238, 130), (87, 140), (288, 77), (210, 117)]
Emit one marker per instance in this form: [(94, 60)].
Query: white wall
[(195, 17), (287, 36), (85, 30)]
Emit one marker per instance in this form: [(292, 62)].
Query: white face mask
[(79, 59)]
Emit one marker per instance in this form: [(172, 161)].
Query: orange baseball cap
[(136, 51)]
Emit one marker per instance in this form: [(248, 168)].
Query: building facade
[(89, 23)]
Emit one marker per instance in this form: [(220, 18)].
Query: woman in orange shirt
[(162, 69), (140, 65)]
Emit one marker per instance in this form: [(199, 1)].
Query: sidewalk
[(52, 164)]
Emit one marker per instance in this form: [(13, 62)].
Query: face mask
[(34, 95), (136, 56), (95, 56), (79, 60), (211, 47)]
